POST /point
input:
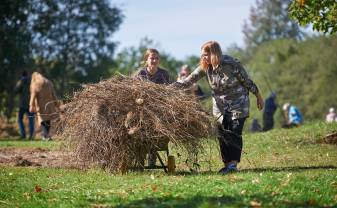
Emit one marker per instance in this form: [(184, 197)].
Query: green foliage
[(322, 14), (129, 60), (269, 21), (281, 168), (15, 44), (72, 39), (302, 73), (68, 41)]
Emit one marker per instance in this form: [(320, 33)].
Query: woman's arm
[(259, 101), (196, 75), (243, 77), (32, 102)]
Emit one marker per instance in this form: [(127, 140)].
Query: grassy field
[(280, 168)]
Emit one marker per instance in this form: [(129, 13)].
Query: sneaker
[(228, 169)]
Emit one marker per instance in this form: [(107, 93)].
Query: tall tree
[(322, 14), (73, 39), (269, 21), (69, 41), (15, 44)]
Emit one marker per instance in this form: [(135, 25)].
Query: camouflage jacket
[(230, 86)]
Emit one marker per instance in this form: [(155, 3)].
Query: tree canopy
[(302, 73), (268, 21), (68, 41), (322, 14)]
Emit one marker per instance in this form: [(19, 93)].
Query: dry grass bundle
[(114, 123)]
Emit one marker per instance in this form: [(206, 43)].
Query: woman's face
[(206, 57), (152, 60)]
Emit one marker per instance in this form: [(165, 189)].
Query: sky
[(180, 27)]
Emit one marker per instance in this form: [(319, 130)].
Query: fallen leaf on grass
[(243, 192), (255, 203), (256, 180), (26, 195), (311, 202), (232, 178), (154, 188), (38, 188)]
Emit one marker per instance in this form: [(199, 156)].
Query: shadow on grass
[(221, 201), (292, 169), (259, 170)]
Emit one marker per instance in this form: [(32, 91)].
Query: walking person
[(22, 88), (43, 102), (270, 107), (152, 72), (230, 85)]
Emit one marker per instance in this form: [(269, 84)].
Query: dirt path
[(36, 157)]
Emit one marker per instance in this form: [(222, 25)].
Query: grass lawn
[(280, 168)]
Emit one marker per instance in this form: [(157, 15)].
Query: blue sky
[(181, 27)]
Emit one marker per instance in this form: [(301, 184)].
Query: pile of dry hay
[(114, 123)]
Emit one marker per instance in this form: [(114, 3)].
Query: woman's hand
[(32, 109), (259, 101)]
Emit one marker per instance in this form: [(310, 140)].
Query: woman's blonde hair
[(147, 54), (37, 82), (214, 50)]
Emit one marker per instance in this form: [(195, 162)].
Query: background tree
[(130, 59), (15, 45), (303, 73), (72, 39), (322, 14), (268, 21), (70, 42)]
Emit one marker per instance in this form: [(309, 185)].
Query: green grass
[(19, 143), (281, 168)]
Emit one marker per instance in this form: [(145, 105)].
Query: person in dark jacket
[(22, 88), (268, 113)]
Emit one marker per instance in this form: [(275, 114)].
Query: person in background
[(293, 115), (270, 107), (43, 102), (22, 88), (230, 85), (152, 72), (331, 116), (195, 89)]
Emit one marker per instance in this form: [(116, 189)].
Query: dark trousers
[(45, 125), (230, 139), (22, 112), (268, 121)]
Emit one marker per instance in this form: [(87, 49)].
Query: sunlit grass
[(280, 168)]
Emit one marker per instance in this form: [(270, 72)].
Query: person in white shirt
[(331, 116)]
